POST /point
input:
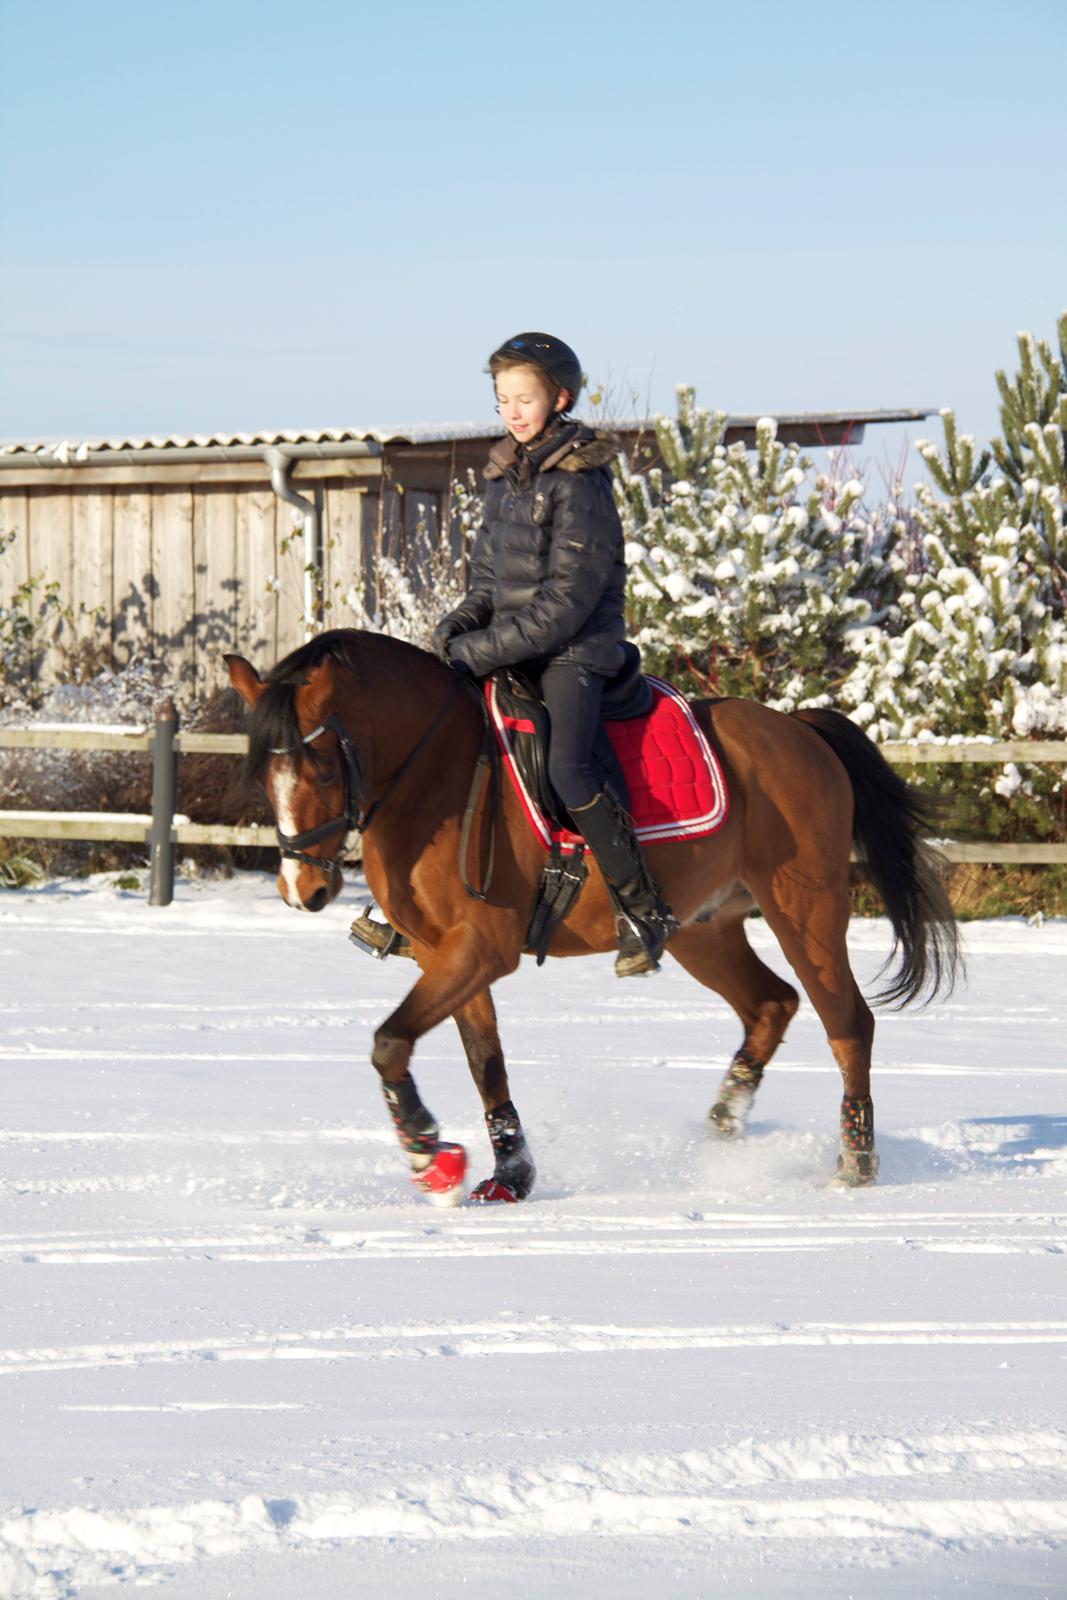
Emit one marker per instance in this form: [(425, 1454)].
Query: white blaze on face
[(282, 788)]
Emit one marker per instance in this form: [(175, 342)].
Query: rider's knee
[(575, 784)]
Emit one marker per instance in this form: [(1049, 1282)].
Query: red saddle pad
[(677, 790)]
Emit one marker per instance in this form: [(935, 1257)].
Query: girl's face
[(522, 402)]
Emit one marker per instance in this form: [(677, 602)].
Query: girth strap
[(487, 766)]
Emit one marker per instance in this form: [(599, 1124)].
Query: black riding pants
[(580, 754)]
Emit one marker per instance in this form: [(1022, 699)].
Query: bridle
[(356, 814)]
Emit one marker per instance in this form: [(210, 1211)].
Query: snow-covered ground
[(240, 1357)]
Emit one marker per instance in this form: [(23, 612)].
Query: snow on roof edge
[(410, 433)]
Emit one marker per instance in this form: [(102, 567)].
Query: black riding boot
[(643, 920)]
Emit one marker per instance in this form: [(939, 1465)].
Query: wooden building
[(189, 547)]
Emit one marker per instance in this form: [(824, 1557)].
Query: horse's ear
[(244, 678)]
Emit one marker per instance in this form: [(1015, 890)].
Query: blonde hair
[(550, 389)]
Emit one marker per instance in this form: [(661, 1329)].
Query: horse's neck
[(401, 691)]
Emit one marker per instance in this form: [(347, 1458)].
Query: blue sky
[(234, 216)]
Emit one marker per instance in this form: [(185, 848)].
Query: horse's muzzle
[(308, 888)]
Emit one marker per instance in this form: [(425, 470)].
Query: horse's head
[(301, 754)]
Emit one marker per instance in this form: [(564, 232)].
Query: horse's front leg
[(461, 966), (514, 1171)]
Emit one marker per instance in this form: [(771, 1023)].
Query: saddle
[(518, 702), (651, 750)]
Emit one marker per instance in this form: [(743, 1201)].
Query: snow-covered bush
[(28, 621), (412, 598), (746, 575), (976, 643), (940, 619), (967, 642)]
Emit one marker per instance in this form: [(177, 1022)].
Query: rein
[(357, 815)]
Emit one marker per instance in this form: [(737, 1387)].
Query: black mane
[(298, 665), (273, 725)]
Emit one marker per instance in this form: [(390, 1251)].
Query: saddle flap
[(526, 718)]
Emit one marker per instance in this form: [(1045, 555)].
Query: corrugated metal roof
[(74, 450), (64, 451)]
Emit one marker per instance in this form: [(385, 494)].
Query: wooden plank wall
[(342, 556), (181, 573), (15, 560)]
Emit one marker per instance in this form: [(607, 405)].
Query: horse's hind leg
[(514, 1171), (810, 920), (720, 957)]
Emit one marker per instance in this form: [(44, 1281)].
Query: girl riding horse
[(345, 731), (547, 586)]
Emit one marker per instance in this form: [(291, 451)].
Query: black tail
[(890, 819)]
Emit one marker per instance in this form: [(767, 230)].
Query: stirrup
[(372, 933)]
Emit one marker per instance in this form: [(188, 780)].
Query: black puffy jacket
[(548, 574)]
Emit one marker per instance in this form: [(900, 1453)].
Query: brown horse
[(358, 730)]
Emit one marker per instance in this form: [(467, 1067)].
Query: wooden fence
[(159, 830), (164, 828)]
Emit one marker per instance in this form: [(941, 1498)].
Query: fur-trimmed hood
[(572, 447), (598, 449)]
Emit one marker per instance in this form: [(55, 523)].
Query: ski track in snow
[(611, 1496), (195, 1160), (511, 1339)]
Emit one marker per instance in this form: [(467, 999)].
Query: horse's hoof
[(728, 1117), (491, 1190), (856, 1169), (441, 1180), (723, 1124)]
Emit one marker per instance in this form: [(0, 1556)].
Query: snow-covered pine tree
[(1032, 455), (977, 643), (969, 637), (740, 582)]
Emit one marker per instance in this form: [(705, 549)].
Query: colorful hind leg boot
[(857, 1161), (737, 1091)]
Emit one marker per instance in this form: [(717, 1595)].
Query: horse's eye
[(326, 778)]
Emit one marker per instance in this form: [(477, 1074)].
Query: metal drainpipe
[(280, 463)]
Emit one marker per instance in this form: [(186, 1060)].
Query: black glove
[(461, 669), (444, 631)]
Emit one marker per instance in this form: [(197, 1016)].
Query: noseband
[(356, 813)]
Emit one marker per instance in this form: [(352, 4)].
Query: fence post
[(164, 805)]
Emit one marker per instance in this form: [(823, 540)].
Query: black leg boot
[(643, 920)]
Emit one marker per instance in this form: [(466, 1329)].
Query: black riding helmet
[(554, 358)]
